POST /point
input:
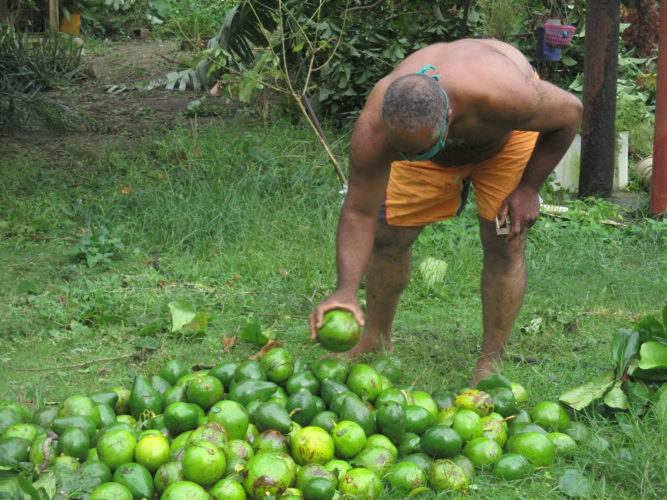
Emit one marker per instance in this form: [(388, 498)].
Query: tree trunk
[(598, 138), (659, 176), (463, 27)]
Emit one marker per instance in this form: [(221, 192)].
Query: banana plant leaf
[(246, 26)]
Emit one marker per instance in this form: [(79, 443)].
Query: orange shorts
[(422, 192)]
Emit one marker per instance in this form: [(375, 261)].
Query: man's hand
[(523, 207), (336, 300)]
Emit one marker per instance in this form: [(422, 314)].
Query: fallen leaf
[(283, 272), (126, 190), (233, 280), (269, 345), (196, 150), (162, 176), (215, 89), (574, 484), (181, 157), (252, 332), (228, 343)]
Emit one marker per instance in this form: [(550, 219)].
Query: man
[(470, 109)]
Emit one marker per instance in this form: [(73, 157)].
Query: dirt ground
[(120, 117)]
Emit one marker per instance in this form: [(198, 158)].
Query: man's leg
[(387, 275), (503, 289)]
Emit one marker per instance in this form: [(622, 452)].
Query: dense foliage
[(334, 51), (28, 66)]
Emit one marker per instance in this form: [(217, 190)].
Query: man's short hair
[(414, 101)]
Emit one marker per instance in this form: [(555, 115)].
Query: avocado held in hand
[(339, 332)]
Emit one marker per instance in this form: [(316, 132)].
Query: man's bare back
[(487, 91), (487, 81)]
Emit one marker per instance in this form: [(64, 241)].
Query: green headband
[(440, 145)]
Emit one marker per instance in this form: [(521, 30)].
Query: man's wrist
[(530, 186)]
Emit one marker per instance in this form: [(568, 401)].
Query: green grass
[(241, 221)]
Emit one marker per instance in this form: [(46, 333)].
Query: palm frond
[(246, 26)]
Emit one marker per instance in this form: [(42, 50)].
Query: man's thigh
[(394, 240)]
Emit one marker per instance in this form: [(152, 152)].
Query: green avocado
[(272, 416), (104, 398), (391, 422), (136, 478), (302, 407), (144, 397), (251, 390), (352, 408), (87, 424)]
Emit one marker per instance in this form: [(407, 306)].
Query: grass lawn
[(240, 220)]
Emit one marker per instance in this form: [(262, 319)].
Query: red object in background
[(659, 181), (558, 35)]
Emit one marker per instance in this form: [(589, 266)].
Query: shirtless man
[(470, 109)]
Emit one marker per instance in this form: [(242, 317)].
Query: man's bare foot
[(486, 366)]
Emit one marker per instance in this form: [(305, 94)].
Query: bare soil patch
[(115, 119)]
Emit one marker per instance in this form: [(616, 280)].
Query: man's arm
[(556, 114), (354, 242), (370, 163)]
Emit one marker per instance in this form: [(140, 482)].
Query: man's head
[(415, 110)]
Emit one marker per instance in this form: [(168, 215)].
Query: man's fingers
[(316, 318), (315, 321), (502, 213), (311, 326), (358, 315), (515, 229)]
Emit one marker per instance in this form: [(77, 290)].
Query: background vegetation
[(333, 51), (240, 221), (237, 215)]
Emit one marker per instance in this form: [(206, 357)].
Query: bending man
[(449, 114)]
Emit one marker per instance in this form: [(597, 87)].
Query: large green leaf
[(47, 481), (616, 398), (637, 391), (655, 374), (650, 328), (580, 397), (624, 346), (660, 406), (652, 356), (185, 317), (252, 332), (574, 484)]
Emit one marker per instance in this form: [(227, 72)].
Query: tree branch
[(365, 7), (136, 355)]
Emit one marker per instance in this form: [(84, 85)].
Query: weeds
[(98, 247), (28, 66), (239, 221)]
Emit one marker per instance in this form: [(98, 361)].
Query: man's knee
[(505, 253), (393, 241)]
